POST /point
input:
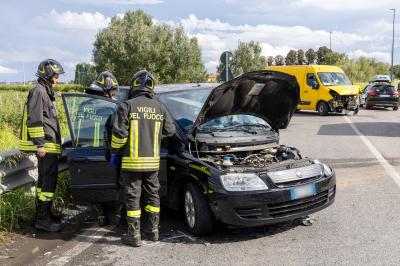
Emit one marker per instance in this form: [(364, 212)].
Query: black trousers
[(48, 174), (134, 183)]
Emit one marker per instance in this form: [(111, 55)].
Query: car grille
[(282, 209), (277, 210), (294, 175)]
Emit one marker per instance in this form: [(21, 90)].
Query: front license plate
[(384, 96), (303, 191)]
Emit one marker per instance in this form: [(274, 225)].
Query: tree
[(270, 60), (291, 58), (322, 55), (247, 57), (396, 71), (133, 42), (300, 57), (84, 74), (310, 56), (279, 60)]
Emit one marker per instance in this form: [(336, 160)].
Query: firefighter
[(88, 128), (40, 133), (105, 85), (136, 138)]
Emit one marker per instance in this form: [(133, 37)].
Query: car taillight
[(396, 94), (372, 92)]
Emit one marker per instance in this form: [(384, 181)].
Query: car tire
[(322, 108), (395, 108), (198, 216), (368, 107)]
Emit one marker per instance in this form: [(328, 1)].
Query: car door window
[(90, 119), (311, 80)]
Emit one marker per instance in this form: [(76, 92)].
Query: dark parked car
[(231, 167), (380, 94)]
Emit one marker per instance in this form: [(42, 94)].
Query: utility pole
[(330, 40), (391, 68)]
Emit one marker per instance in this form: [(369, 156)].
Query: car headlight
[(327, 171), (242, 182)]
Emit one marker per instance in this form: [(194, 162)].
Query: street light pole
[(330, 40), (391, 68)]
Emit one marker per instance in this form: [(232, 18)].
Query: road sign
[(225, 74), (226, 58)]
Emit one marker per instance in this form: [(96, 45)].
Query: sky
[(65, 30)]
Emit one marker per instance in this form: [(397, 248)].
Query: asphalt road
[(362, 227)]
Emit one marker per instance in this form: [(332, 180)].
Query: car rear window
[(384, 89)]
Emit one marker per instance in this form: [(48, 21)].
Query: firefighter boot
[(43, 220), (151, 231), (55, 217), (132, 238)]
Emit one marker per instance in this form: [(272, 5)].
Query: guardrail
[(19, 169)]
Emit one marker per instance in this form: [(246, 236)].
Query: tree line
[(361, 69), (133, 42)]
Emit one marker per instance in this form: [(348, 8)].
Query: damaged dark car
[(230, 167)]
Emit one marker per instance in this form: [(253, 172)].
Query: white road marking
[(83, 241), (389, 169)]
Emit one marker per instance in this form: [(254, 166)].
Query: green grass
[(16, 208), (59, 87)]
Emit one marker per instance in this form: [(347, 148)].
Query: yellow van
[(323, 88)]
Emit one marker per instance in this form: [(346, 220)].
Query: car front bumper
[(274, 206)]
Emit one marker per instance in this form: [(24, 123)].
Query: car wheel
[(368, 107), (322, 108), (395, 108), (197, 212)]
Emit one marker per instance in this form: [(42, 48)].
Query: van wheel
[(197, 212), (322, 108), (395, 108)]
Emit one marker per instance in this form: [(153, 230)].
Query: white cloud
[(347, 5), (7, 70), (74, 20), (216, 36), (380, 56), (117, 2)]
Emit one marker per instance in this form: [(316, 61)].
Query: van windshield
[(333, 78)]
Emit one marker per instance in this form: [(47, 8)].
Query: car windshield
[(246, 123), (185, 106), (333, 78)]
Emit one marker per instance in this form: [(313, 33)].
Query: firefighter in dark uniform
[(88, 128), (105, 85), (40, 133), (136, 138)]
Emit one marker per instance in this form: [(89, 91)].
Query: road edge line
[(384, 163), (84, 241)]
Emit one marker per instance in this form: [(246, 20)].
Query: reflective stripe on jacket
[(137, 131), (39, 126)]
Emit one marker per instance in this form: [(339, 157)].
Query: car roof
[(165, 88)]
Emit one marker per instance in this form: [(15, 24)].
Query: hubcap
[(189, 209)]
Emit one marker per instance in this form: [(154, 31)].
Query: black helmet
[(48, 68), (103, 84), (142, 82)]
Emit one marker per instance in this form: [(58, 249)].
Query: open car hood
[(270, 95)]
